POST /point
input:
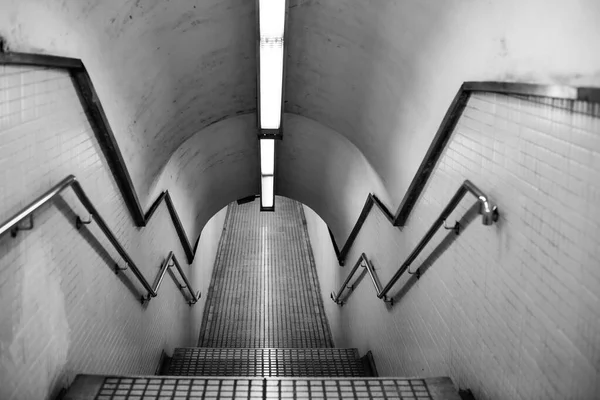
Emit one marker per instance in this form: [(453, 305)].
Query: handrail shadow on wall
[(104, 134), (13, 225), (440, 140)]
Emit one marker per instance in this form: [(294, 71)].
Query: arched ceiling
[(214, 167), (378, 73), (316, 166), (163, 69)]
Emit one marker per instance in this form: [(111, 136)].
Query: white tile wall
[(63, 311), (511, 311)]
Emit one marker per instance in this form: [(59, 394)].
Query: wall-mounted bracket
[(198, 296), (117, 268), (15, 231), (146, 299), (388, 300), (455, 228), (417, 272), (338, 302), (79, 222), (495, 214)]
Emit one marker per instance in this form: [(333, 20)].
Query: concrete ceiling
[(379, 74)]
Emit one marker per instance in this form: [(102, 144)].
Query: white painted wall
[(328, 272), (205, 261), (322, 169), (511, 310), (63, 311), (211, 169)]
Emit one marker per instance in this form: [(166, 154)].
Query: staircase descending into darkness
[(264, 332)]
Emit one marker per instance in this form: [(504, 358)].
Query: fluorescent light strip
[(271, 18), (271, 84), (267, 195), (267, 170), (267, 156), (271, 26)]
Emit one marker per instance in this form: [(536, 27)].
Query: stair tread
[(252, 352), (88, 387), (297, 362)]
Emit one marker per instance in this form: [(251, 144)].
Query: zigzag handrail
[(13, 226), (109, 145), (443, 134), (488, 211), (104, 134)]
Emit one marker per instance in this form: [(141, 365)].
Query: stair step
[(202, 361), (96, 387)]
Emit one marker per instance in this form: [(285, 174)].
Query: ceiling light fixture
[(271, 27), (267, 174)]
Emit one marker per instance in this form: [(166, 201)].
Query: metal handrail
[(163, 270), (488, 211), (12, 225), (364, 262)]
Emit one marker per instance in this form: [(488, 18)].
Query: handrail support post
[(15, 231), (118, 269), (146, 299), (455, 228), (79, 222), (195, 299)]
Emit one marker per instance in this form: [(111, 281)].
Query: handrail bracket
[(79, 222), (146, 299), (455, 228), (118, 269), (18, 227), (197, 297)]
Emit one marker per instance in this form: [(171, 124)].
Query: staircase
[(264, 334), (199, 361)]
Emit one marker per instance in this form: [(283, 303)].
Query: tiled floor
[(113, 388), (199, 361), (264, 291)]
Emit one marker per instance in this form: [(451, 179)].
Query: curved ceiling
[(214, 167), (378, 73), (316, 166), (324, 170)]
